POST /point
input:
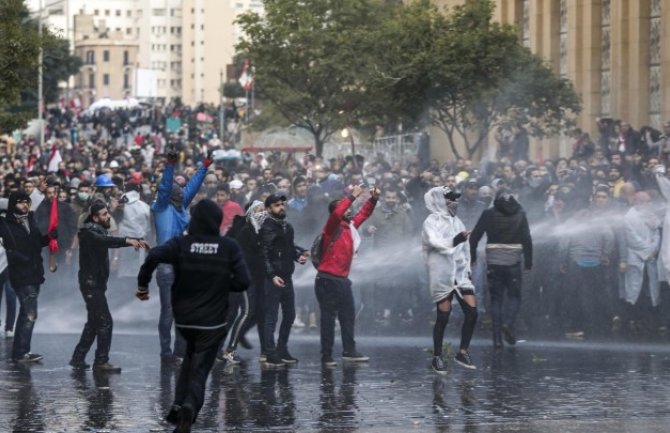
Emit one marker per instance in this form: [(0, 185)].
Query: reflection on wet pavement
[(533, 387)]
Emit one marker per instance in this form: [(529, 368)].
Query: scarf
[(256, 218), (23, 219)]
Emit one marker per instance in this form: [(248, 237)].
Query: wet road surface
[(535, 387)]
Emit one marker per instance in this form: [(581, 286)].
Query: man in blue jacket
[(171, 219)]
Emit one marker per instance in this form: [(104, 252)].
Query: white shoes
[(298, 323), (9, 334)]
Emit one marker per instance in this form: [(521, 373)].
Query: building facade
[(615, 52), (109, 62)]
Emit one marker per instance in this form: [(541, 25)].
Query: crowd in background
[(596, 217)]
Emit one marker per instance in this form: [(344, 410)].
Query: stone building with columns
[(616, 53)]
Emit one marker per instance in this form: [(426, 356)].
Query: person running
[(94, 245), (447, 257), (207, 267)]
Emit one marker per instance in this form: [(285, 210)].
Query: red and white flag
[(246, 79), (54, 159)]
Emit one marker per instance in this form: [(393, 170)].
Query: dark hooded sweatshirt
[(23, 244), (206, 266), (507, 233)]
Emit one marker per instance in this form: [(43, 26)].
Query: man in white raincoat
[(643, 239), (664, 253), (136, 223), (448, 260)]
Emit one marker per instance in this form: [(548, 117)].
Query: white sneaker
[(9, 334), (298, 323), (232, 357)]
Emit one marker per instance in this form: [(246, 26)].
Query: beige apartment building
[(109, 62), (616, 52)]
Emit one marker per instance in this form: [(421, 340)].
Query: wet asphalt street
[(535, 387)]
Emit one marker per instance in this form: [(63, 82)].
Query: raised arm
[(164, 188)]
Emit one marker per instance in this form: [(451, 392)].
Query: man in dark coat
[(24, 242), (207, 267), (94, 243)]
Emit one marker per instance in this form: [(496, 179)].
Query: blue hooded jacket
[(169, 221)]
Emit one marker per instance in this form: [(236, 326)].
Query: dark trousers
[(27, 296), (199, 357), (10, 301), (98, 325), (585, 306), (275, 297), (336, 300), (241, 309), (504, 281)]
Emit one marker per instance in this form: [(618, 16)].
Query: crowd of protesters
[(600, 254)]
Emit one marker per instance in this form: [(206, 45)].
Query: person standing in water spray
[(447, 255)]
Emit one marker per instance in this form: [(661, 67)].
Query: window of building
[(105, 79), (105, 56), (96, 12), (129, 14), (91, 81), (118, 29), (106, 12), (118, 13), (90, 57), (126, 81), (129, 31), (126, 58), (158, 12), (202, 27)]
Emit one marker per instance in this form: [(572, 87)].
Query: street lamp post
[(40, 89)]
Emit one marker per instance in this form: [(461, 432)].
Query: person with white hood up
[(643, 239), (447, 257), (136, 223)]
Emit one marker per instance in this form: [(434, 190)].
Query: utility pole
[(40, 90), (222, 114)]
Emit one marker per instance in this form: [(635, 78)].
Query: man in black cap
[(94, 243), (207, 268), (24, 242), (279, 255)]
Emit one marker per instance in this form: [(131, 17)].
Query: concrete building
[(208, 47), (616, 52), (109, 61)]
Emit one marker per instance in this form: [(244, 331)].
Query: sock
[(469, 322), (438, 331)]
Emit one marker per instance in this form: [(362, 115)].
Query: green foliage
[(328, 64), (19, 57), (233, 89)]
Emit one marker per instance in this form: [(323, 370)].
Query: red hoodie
[(336, 260)]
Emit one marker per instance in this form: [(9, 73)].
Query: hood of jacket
[(506, 203), (435, 201), (13, 199), (133, 196), (205, 219)]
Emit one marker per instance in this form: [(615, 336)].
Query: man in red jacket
[(340, 242)]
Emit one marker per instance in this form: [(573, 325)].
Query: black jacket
[(250, 242), (94, 243), (279, 250), (504, 223), (67, 223), (206, 267), (24, 250)]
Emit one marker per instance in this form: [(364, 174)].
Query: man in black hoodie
[(24, 242), (508, 238), (207, 267), (94, 245)]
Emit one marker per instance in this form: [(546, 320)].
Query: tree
[(467, 75), (311, 60), (19, 59)]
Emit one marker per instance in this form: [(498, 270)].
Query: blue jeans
[(27, 316), (10, 298), (274, 297), (165, 279)]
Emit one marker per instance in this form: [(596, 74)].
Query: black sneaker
[(328, 361), (274, 361), (106, 368), (287, 358), (355, 357), (170, 360), (463, 358), (79, 365), (438, 365), (173, 416), (29, 358), (185, 420), (508, 335)]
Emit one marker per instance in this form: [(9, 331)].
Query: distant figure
[(207, 267)]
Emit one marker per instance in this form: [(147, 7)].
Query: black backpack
[(316, 252)]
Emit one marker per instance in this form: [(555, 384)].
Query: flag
[(54, 159), (246, 79), (53, 225)]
